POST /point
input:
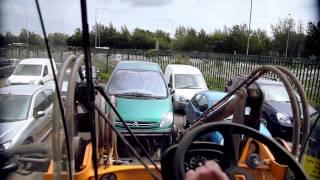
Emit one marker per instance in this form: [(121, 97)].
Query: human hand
[(211, 170)]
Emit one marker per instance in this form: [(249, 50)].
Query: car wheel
[(29, 140)]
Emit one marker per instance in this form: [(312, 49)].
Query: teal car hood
[(146, 110)]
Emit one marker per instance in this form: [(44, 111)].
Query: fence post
[(107, 65)]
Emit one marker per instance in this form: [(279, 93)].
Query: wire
[(89, 84), (56, 86), (108, 121), (308, 137), (127, 127)]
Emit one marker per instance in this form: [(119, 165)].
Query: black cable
[(306, 142), (100, 89), (125, 142), (89, 84), (56, 86)]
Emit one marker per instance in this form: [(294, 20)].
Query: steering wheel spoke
[(228, 131)]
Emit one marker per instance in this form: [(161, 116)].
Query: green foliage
[(104, 76), (280, 33), (3, 41), (181, 59), (312, 43), (76, 38), (227, 40), (57, 39)]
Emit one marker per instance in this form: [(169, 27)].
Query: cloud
[(150, 3)]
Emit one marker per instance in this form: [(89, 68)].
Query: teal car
[(143, 101)]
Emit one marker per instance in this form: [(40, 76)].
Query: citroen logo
[(135, 124)]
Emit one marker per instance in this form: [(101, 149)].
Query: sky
[(64, 15)]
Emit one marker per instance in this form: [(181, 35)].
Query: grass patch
[(315, 104), (104, 76)]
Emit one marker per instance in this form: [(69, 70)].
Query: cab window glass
[(195, 100), (49, 97), (39, 104), (203, 104), (45, 71)]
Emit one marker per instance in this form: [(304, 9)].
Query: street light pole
[(96, 34), (95, 19), (287, 44), (27, 30), (248, 41)]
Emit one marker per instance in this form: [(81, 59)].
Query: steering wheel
[(227, 130)]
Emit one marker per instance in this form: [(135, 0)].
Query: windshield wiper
[(191, 87), (135, 94)]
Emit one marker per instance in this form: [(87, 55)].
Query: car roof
[(182, 69), (214, 95), (139, 65), (261, 81), (20, 89), (41, 61)]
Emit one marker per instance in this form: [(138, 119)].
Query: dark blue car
[(203, 100), (277, 113)]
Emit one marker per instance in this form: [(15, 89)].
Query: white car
[(185, 81), (32, 71)]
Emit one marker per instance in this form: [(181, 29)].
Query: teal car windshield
[(138, 83)]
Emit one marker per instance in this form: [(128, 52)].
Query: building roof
[(139, 65)]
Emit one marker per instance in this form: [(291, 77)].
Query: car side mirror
[(41, 82), (39, 114), (169, 85), (172, 91)]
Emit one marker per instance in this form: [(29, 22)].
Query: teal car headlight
[(167, 120), (283, 119)]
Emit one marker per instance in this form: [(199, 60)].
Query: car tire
[(29, 140)]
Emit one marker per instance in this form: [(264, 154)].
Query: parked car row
[(26, 105), (146, 99)]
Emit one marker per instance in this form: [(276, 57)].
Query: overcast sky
[(64, 15)]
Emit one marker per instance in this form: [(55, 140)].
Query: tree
[(76, 38), (142, 39), (280, 33), (58, 39), (237, 40), (3, 40), (312, 42)]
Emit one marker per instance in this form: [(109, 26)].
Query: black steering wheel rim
[(223, 127)]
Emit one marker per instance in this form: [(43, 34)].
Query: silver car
[(25, 115)]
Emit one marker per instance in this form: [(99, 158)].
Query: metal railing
[(217, 68)]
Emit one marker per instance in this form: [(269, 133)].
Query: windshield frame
[(138, 70), (31, 100)]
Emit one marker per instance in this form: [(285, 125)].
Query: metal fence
[(216, 68)]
